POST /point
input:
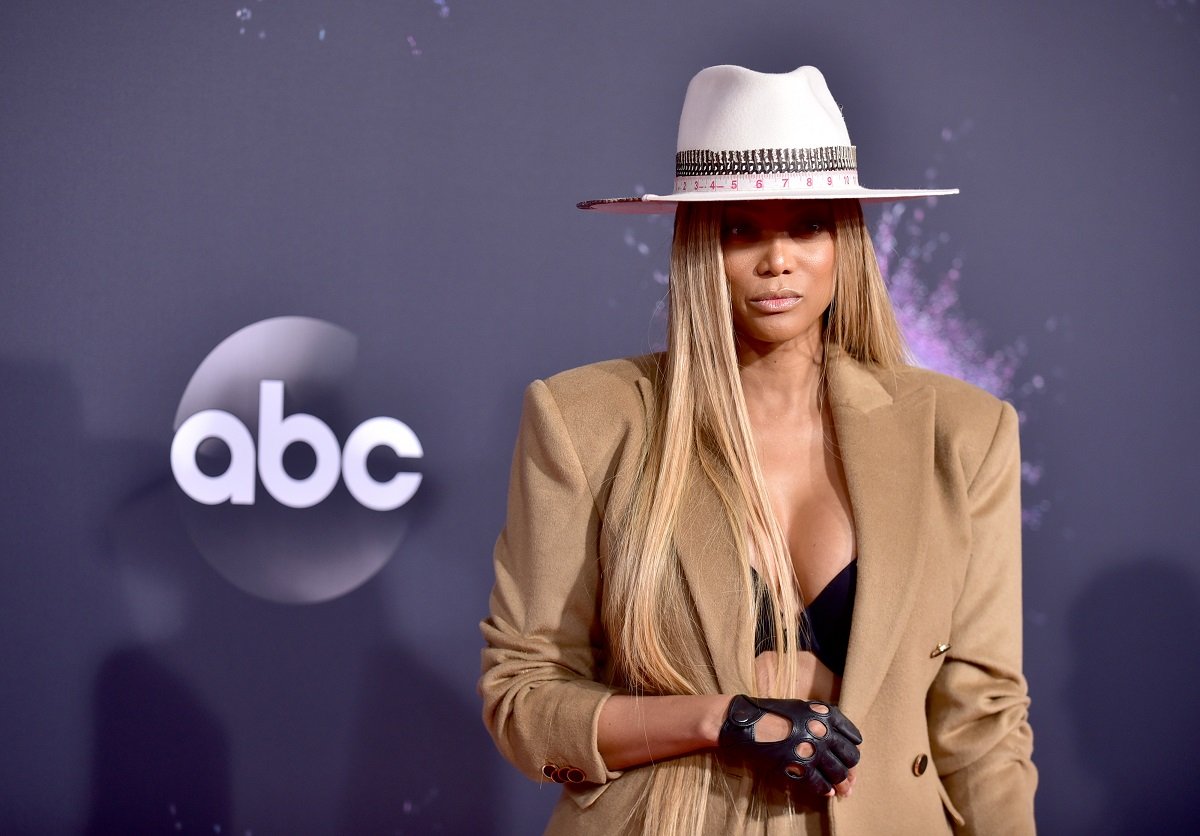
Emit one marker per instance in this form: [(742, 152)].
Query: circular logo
[(289, 490)]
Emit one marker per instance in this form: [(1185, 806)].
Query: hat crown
[(730, 108)]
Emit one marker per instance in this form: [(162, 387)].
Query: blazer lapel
[(887, 453)]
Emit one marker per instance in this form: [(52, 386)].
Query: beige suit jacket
[(933, 470)]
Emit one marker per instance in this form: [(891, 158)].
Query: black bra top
[(827, 619)]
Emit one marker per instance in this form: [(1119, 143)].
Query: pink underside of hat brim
[(653, 204)]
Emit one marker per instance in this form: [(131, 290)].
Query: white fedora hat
[(745, 135)]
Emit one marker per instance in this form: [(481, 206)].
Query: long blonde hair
[(700, 420)]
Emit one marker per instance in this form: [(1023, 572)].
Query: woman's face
[(779, 260)]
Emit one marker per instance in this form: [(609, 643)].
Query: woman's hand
[(818, 747), (813, 681), (637, 730)]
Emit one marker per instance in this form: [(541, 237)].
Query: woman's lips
[(775, 301)]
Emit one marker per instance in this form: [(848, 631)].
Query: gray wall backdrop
[(407, 171)]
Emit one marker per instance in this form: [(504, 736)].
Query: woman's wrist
[(713, 717)]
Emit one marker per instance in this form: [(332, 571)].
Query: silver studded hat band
[(705, 163)]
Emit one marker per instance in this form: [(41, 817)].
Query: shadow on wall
[(60, 615), (154, 740), (417, 756), (1135, 686)]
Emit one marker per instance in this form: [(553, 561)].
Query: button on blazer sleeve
[(541, 665), (978, 703)]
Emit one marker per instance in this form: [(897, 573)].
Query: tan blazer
[(933, 677)]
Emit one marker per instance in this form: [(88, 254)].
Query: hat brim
[(653, 204)]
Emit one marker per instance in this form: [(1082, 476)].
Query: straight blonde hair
[(700, 421)]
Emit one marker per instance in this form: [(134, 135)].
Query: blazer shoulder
[(959, 404), (619, 371), (604, 408), (607, 390), (969, 421)]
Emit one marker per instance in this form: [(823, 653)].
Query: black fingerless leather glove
[(834, 750)]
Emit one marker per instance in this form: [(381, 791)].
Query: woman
[(778, 507)]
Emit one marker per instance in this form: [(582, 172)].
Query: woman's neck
[(781, 380)]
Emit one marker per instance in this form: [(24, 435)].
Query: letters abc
[(275, 432)]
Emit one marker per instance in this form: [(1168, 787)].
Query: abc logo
[(285, 490), (275, 434)]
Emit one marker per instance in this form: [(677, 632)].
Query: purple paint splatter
[(939, 336)]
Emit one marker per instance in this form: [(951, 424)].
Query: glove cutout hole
[(819, 708), (804, 750), (817, 729), (794, 770), (763, 728)]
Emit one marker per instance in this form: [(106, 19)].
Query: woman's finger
[(846, 751), (832, 769), (843, 789), (809, 776), (840, 722)]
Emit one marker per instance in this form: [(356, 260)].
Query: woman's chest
[(809, 498)]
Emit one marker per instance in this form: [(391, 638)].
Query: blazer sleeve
[(542, 660), (978, 704)]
